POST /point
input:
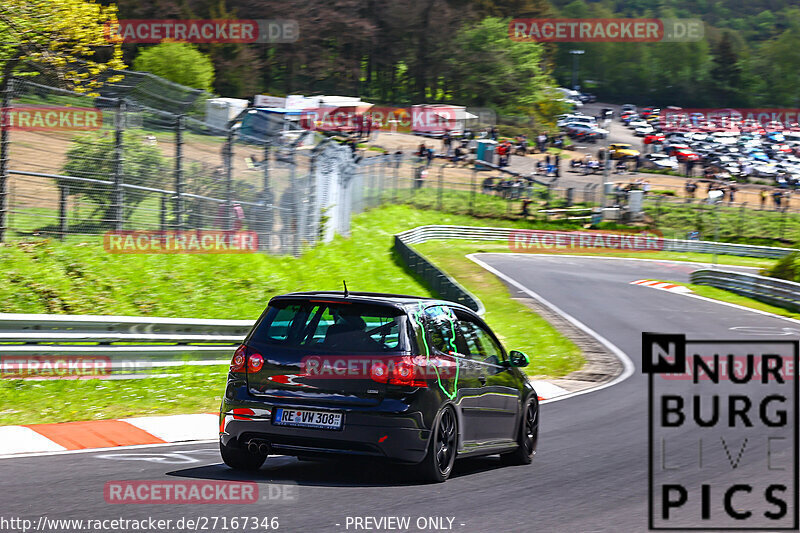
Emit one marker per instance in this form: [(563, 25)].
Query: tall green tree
[(66, 39), (490, 69), (178, 62)]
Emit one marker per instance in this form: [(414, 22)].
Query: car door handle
[(482, 379)]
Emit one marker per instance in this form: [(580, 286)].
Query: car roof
[(395, 300)]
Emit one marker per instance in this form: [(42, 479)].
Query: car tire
[(438, 463), (239, 459), (527, 439)]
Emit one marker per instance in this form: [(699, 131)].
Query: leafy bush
[(93, 157), (178, 62), (788, 268)]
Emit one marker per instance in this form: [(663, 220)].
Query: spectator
[(558, 165), (646, 186), (541, 142), (763, 195), (690, 187), (525, 203), (732, 193), (447, 140), (776, 197), (429, 155)]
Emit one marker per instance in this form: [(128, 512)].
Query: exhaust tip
[(252, 447), (264, 449)]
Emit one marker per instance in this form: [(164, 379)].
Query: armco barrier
[(422, 234), (173, 341), (445, 286), (147, 342), (773, 291), (449, 289)]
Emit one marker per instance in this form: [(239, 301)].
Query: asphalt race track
[(590, 473)]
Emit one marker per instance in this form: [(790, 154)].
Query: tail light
[(254, 363), (241, 362), (239, 358), (398, 371)]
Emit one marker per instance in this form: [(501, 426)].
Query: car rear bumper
[(398, 437)]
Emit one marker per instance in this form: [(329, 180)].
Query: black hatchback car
[(414, 380)]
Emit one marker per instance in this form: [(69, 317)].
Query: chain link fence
[(142, 157)]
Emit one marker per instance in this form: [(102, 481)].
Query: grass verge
[(46, 276), (550, 352)]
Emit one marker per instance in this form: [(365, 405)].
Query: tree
[(490, 69), (178, 62), (92, 157), (60, 38)]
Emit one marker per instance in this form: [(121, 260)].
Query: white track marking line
[(547, 390), (177, 428), (113, 448), (627, 364)]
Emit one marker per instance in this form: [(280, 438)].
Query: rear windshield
[(332, 326)]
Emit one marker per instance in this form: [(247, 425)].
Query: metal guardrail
[(778, 292), (108, 324), (145, 342), (445, 286), (422, 234), (140, 342)]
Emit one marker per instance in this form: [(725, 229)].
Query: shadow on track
[(333, 473)]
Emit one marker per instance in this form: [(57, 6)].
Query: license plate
[(307, 419)]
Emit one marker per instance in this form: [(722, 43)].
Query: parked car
[(577, 128), (682, 152), (660, 162), (622, 150), (563, 120), (654, 138), (413, 380)]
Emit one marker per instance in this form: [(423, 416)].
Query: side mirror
[(518, 358)]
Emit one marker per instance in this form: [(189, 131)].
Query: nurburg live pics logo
[(722, 433)]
